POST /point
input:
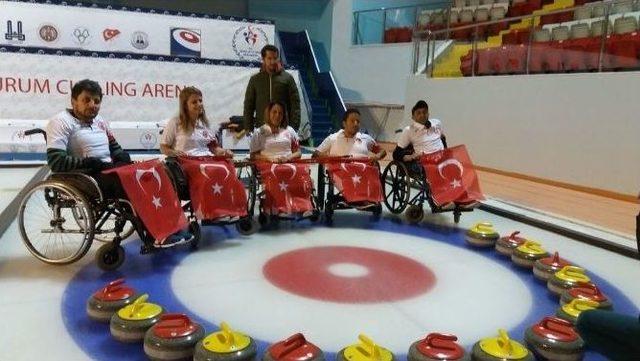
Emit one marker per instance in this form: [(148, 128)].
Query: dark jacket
[(263, 88)]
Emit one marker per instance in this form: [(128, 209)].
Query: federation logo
[(81, 36), (140, 40), (109, 34), (185, 42), (48, 33), (14, 34), (148, 140), (248, 41)]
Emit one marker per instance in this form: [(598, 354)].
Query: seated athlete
[(189, 133), (78, 139), (275, 141), (423, 136)]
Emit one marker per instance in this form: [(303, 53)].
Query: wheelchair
[(399, 179), (331, 200), (265, 219), (245, 173), (61, 216)]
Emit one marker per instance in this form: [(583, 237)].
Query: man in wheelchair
[(424, 136), (80, 140), (349, 142)]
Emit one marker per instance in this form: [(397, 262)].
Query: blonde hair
[(187, 123)]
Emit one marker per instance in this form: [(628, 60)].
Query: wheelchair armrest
[(83, 182)]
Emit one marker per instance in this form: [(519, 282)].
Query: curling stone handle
[(291, 344), (484, 227), (173, 320), (583, 305), (113, 286), (441, 341), (369, 347), (557, 324), (227, 334), (504, 341), (138, 304), (513, 235)]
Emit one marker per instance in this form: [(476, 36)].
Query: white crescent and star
[(204, 166), (456, 182), (153, 171)]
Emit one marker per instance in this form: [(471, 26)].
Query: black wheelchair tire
[(110, 256)]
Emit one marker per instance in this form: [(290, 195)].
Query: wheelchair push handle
[(35, 131)]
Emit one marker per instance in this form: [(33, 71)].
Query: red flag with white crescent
[(153, 197), (358, 181), (214, 188), (287, 186), (451, 176)]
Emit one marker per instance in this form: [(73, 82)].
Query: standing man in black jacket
[(271, 84)]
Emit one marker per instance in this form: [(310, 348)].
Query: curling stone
[(567, 278), (437, 346), (500, 348), (482, 235), (587, 291), (225, 345), (172, 338), (528, 253), (366, 350), (131, 322), (555, 339), (572, 310), (294, 348), (506, 245), (544, 268), (106, 301)]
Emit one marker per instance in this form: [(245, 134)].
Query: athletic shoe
[(468, 205), (175, 239)]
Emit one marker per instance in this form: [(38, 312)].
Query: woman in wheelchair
[(80, 140), (288, 189), (348, 142), (424, 136), (190, 135)]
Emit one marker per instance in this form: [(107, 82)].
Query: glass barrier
[(592, 37), (392, 25)]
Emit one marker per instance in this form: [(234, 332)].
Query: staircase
[(448, 65), (326, 107)]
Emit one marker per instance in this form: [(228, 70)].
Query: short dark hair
[(92, 87), (349, 111), (419, 105), (268, 47)]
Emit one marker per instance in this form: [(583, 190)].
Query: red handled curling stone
[(555, 339), (437, 346), (173, 338), (544, 268), (294, 348), (131, 322), (506, 245), (587, 291), (105, 302)]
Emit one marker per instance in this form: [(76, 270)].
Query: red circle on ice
[(349, 274)]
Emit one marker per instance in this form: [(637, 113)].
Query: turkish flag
[(152, 196), (287, 187), (451, 176), (358, 181), (214, 187)]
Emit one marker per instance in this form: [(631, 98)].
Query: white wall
[(368, 73), (580, 129)]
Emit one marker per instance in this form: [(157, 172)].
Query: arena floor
[(389, 280)]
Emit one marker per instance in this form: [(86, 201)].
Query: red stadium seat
[(516, 59), (390, 35)]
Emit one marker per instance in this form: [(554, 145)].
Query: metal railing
[(604, 38)]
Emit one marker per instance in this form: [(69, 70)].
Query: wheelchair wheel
[(377, 211), (110, 256), (47, 224), (321, 186), (247, 226), (396, 187), (414, 213), (247, 176)]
